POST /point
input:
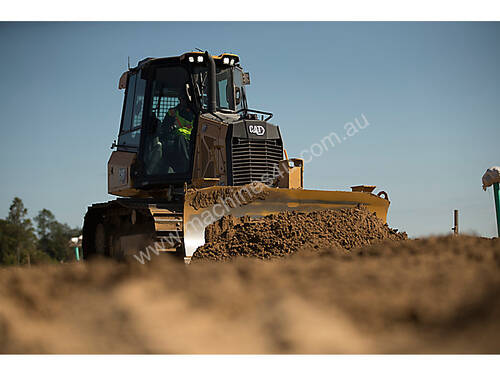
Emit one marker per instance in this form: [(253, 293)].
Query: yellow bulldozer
[(189, 152)]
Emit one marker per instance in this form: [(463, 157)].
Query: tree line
[(44, 241)]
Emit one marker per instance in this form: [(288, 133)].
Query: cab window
[(168, 143), (130, 131), (224, 89)]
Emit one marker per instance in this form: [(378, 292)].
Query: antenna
[(128, 62), (199, 49)]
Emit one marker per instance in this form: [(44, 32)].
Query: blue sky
[(430, 91)]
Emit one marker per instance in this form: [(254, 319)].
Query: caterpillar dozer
[(190, 151)]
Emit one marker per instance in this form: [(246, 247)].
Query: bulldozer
[(190, 151)]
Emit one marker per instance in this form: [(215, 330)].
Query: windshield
[(224, 87), (167, 147)]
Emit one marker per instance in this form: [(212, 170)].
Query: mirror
[(246, 78)]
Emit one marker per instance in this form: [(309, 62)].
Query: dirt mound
[(232, 196), (438, 295), (285, 233)]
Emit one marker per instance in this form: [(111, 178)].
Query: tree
[(17, 213), (20, 245), (53, 237), (44, 220), (8, 242), (18, 239)]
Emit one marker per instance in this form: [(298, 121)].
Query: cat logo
[(257, 129)]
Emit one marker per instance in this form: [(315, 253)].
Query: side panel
[(210, 153), (119, 174), (292, 174)]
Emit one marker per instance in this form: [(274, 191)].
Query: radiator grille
[(253, 159)]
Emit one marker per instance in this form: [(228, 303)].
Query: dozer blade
[(205, 206)]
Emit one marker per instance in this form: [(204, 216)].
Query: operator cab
[(164, 95)]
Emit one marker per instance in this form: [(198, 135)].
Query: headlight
[(225, 60), (232, 62), (200, 59), (191, 59)]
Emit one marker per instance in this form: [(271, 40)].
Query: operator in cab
[(179, 122), (180, 118)]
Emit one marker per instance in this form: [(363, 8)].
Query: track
[(124, 227)]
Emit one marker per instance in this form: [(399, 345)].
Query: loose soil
[(434, 295), (233, 196), (285, 233)]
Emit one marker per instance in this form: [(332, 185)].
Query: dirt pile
[(438, 295), (232, 196), (285, 233)]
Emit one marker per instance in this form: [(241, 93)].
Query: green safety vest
[(184, 127)]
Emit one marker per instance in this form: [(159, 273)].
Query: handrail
[(270, 115)]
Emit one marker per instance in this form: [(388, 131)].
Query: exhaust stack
[(212, 83)]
